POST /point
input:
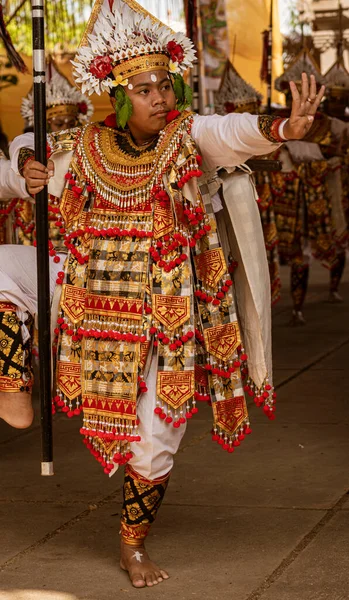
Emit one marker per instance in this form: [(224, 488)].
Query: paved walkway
[(270, 522)]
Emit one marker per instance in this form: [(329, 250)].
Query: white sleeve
[(229, 140), (11, 184), (26, 140)]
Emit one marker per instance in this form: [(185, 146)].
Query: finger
[(32, 182), (305, 87), (296, 99), (312, 93), (317, 102), (34, 164), (51, 168), (35, 190), (34, 174)]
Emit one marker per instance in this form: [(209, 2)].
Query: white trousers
[(154, 454)]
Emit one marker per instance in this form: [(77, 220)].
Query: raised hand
[(304, 107)]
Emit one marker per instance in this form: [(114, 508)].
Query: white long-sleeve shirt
[(12, 185), (223, 141)]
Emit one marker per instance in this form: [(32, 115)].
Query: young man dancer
[(147, 323)]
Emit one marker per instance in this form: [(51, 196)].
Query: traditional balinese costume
[(154, 316), (66, 103)]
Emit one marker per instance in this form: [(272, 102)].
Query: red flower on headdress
[(110, 120), (176, 52), (82, 107), (173, 114), (101, 66)]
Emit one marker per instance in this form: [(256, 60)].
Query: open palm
[(304, 107)]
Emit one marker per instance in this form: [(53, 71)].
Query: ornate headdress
[(337, 90), (122, 40), (62, 99), (235, 94), (303, 63)]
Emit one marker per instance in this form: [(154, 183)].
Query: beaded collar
[(120, 172)]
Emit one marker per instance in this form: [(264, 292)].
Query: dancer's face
[(152, 97)]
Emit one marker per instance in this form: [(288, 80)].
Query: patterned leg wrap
[(15, 357), (299, 284), (337, 272), (142, 500)]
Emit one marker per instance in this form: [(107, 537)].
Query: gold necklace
[(135, 145)]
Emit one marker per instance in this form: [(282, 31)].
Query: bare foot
[(16, 409), (142, 571), (297, 318), (335, 298)]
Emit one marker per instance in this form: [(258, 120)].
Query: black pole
[(41, 205), (270, 59)]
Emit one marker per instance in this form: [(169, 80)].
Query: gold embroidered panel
[(211, 266), (171, 311), (222, 340), (73, 302), (176, 387), (69, 379), (230, 414)]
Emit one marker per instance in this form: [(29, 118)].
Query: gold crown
[(60, 110), (141, 64)]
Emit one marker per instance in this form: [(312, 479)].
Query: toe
[(138, 581), (163, 574), (149, 579)]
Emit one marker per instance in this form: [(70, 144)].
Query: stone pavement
[(270, 522)]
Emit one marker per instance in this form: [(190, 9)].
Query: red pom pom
[(171, 115), (110, 120), (158, 410), (194, 410)]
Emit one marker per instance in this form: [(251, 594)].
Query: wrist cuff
[(25, 155), (281, 130)]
